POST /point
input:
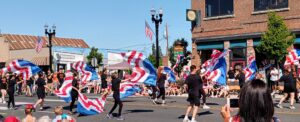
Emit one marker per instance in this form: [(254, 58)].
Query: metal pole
[(157, 47), (50, 52)]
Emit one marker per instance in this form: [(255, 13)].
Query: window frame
[(269, 9), (219, 16)]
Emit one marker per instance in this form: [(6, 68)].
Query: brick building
[(238, 25), (64, 50)]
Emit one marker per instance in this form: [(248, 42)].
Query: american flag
[(148, 31), (39, 44)]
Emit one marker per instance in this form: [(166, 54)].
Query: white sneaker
[(186, 120), (292, 107), (279, 106), (4, 102), (205, 107), (193, 121)]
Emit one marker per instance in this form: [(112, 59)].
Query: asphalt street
[(141, 109)]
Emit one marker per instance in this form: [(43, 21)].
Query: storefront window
[(260, 5), (218, 7), (238, 54)]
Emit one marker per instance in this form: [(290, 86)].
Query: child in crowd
[(28, 112)]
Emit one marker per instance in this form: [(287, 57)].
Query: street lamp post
[(157, 19), (50, 34)]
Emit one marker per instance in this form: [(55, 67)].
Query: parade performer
[(74, 92), (3, 87), (194, 84), (289, 88), (41, 86), (11, 92), (104, 80), (161, 76), (116, 95)]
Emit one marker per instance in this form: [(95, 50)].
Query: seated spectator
[(28, 112), (58, 111), (11, 119), (255, 104), (60, 116)]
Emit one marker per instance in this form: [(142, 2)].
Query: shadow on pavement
[(68, 107), (139, 111), (204, 113), (212, 104)]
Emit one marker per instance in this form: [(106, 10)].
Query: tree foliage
[(276, 40), (152, 56), (184, 43), (94, 54)]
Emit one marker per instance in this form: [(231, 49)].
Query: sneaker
[(109, 116), (4, 102), (205, 107), (41, 108), (193, 121), (186, 120), (120, 118), (154, 102), (279, 106), (292, 107)]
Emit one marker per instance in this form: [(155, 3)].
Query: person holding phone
[(194, 84), (253, 98)]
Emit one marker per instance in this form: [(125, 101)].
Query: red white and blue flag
[(128, 89), (218, 73), (64, 91), (148, 31), (170, 74), (39, 44), (87, 106), (88, 73), (142, 69), (178, 60), (293, 57), (251, 69), (22, 67)]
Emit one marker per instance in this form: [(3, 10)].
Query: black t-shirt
[(29, 82), (231, 74), (49, 78), (41, 84), (11, 84), (75, 84), (289, 81), (103, 81), (161, 81), (116, 85), (241, 78), (3, 85), (194, 83)]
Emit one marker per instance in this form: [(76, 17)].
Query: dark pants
[(162, 92), (202, 92), (153, 92), (11, 99), (117, 102), (74, 98), (20, 89)]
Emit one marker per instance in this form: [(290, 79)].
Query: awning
[(210, 45), (41, 61), (297, 41), (120, 66), (238, 43)]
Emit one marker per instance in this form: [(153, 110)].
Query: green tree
[(94, 54), (152, 56), (276, 40)]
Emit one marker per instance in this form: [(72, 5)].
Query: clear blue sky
[(113, 24)]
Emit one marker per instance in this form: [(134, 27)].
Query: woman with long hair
[(161, 78), (255, 104)]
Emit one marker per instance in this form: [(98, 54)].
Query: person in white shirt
[(273, 79)]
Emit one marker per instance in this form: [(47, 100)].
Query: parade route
[(141, 109)]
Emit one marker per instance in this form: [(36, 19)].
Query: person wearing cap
[(11, 119), (162, 77), (28, 112)]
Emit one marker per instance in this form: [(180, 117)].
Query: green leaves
[(95, 54), (276, 40)]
